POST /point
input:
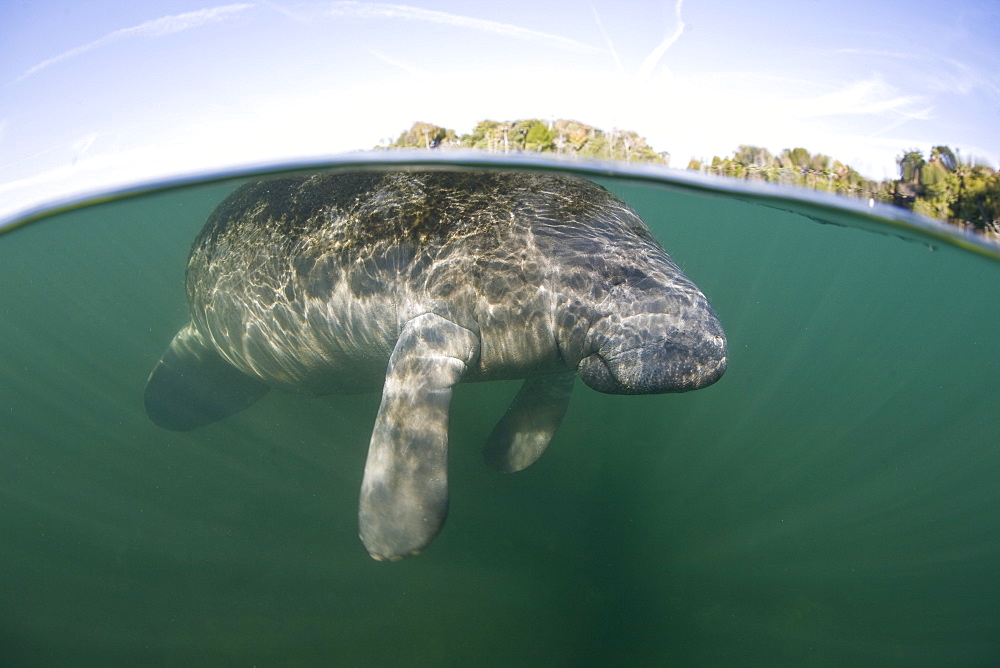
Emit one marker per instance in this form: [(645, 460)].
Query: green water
[(834, 499)]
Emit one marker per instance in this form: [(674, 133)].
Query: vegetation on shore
[(965, 193), (564, 137), (943, 185)]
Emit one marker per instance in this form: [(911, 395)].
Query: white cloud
[(166, 25), (870, 96), (83, 144), (656, 54), (377, 10), (904, 118), (939, 73), (607, 40), (965, 79), (406, 67), (712, 114)]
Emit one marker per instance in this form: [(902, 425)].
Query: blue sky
[(94, 94)]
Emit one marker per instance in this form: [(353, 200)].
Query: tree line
[(944, 185), (564, 137)]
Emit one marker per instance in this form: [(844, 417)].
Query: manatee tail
[(192, 385)]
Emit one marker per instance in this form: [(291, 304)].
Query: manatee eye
[(616, 275), (635, 276)]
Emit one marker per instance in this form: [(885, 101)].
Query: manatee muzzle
[(681, 361)]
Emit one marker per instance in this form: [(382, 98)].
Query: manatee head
[(653, 352), (647, 328)]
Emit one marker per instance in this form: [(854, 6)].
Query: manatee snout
[(650, 354)]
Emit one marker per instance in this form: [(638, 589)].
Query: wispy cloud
[(864, 97), (881, 53), (904, 118), (965, 79), (377, 10), (789, 97), (81, 145), (607, 40), (166, 25), (406, 67), (654, 57), (942, 74), (656, 54)]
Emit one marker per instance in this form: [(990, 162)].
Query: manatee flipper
[(192, 385), (404, 494), (525, 430)]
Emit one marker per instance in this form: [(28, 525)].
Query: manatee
[(413, 281)]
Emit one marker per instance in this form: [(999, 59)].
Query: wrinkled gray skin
[(412, 282)]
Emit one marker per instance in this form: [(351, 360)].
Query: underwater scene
[(832, 498)]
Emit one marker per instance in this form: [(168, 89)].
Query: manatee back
[(306, 279)]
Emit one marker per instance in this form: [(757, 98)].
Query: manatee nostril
[(594, 371)]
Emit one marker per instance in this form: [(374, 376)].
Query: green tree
[(538, 138), (424, 135), (977, 203), (911, 164), (487, 135), (754, 156), (945, 156), (796, 157)]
